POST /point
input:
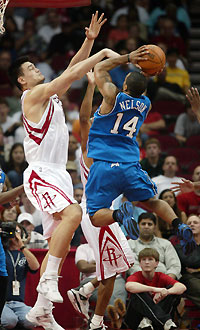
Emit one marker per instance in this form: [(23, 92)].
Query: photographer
[(19, 260), (5, 197)]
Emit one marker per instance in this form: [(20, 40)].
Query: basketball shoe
[(79, 301), (124, 216), (48, 286), (42, 316), (184, 232)]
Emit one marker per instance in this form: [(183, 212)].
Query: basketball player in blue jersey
[(112, 145)]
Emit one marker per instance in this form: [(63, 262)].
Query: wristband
[(22, 248), (129, 58)]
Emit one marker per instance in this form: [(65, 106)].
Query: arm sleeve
[(172, 261), (179, 126)]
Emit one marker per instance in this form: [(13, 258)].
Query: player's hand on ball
[(95, 26), (138, 55)]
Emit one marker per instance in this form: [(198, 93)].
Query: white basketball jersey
[(48, 140), (84, 170)]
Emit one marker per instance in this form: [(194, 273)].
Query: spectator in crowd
[(5, 120), (5, 62), (34, 240), (169, 262), (119, 73), (28, 40), (189, 202), (10, 213), (120, 32), (191, 266), (154, 295), (140, 16), (52, 27), (19, 260), (85, 262), (16, 165), (78, 192), (161, 9), (153, 162), (166, 229), (138, 32), (27, 207), (153, 125), (72, 170), (14, 102), (174, 74), (160, 89), (168, 36), (2, 150), (70, 110), (186, 125), (164, 181), (62, 42)]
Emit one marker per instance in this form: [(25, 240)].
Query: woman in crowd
[(165, 228), (16, 165)]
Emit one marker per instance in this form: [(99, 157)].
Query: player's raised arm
[(194, 99), (86, 109), (104, 81), (61, 84), (91, 34)]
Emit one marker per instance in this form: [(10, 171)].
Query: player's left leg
[(105, 290)]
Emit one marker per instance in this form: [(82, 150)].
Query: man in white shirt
[(170, 167)]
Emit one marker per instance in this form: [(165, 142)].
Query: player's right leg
[(58, 249)]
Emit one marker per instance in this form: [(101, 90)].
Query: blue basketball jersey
[(112, 137)]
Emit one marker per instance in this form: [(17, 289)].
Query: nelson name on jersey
[(133, 104)]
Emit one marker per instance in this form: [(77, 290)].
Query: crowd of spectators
[(51, 37)]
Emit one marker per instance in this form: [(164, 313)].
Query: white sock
[(42, 301), (88, 288), (97, 319), (53, 264)]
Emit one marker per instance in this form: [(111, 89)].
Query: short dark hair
[(152, 141), (136, 84), (15, 70), (147, 215), (148, 252)]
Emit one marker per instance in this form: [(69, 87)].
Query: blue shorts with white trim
[(107, 181)]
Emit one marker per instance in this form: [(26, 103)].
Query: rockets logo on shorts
[(49, 200), (111, 256)]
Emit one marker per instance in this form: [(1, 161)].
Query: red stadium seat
[(184, 155), (172, 108), (193, 141), (167, 141)]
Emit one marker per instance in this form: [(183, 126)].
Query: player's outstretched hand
[(183, 187), (139, 55), (194, 99), (95, 26)]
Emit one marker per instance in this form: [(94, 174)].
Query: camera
[(7, 230)]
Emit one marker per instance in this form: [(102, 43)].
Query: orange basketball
[(156, 60)]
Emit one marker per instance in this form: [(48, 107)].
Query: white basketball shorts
[(111, 249), (49, 188)]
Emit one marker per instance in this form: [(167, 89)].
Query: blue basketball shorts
[(107, 181)]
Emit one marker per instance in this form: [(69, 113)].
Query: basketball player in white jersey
[(46, 182), (112, 252)]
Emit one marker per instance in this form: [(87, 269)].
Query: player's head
[(24, 74), (135, 84)]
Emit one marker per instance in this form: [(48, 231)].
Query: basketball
[(156, 60)]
